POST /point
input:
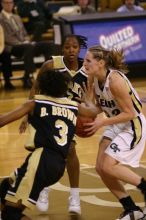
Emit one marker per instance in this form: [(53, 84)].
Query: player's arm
[(19, 112), (123, 98), (88, 111)]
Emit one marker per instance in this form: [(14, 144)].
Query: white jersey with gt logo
[(127, 139)]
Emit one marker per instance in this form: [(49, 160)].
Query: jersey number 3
[(63, 131)]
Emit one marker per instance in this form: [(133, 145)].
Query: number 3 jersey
[(54, 120)]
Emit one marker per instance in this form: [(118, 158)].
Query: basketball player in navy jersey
[(53, 115), (71, 63)]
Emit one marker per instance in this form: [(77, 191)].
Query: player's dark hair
[(53, 82), (81, 40)]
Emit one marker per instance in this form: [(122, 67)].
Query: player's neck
[(74, 65)]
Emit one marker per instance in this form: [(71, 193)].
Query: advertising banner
[(130, 35)]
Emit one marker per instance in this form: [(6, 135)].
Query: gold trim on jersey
[(57, 62), (72, 73), (57, 101), (137, 131), (136, 102)]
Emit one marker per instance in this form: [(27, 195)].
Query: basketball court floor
[(97, 202)]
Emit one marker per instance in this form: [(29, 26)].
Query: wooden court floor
[(96, 201)]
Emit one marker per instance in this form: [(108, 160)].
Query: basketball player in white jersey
[(123, 140)]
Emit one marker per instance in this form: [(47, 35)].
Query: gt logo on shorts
[(114, 147)]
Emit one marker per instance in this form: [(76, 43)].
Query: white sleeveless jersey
[(111, 108), (107, 102)]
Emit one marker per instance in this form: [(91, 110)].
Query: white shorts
[(128, 142)]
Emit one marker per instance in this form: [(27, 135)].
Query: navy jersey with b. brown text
[(54, 120)]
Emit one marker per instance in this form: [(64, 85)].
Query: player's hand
[(23, 125), (88, 94), (94, 126)]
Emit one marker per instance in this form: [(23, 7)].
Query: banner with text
[(130, 35)]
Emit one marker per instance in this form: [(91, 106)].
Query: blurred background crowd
[(26, 30)]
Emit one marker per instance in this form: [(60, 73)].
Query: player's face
[(71, 49), (92, 65)]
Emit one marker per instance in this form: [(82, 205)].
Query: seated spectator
[(35, 16), (5, 62), (17, 42), (85, 7), (80, 7), (129, 5)]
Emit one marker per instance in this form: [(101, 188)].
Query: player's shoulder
[(115, 75), (56, 101), (47, 64)]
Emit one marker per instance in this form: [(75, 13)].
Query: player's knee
[(107, 168), (99, 168)]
